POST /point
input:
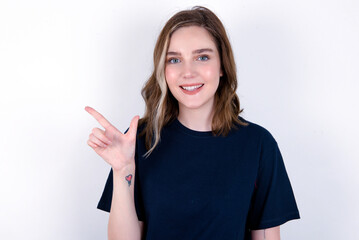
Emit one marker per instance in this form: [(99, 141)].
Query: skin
[(192, 59), (118, 150), (267, 234)]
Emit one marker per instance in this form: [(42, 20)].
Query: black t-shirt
[(198, 186)]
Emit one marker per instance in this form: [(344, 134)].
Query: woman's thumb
[(133, 126)]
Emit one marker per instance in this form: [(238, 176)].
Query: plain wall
[(298, 72)]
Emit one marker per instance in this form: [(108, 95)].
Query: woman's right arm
[(118, 150), (123, 222)]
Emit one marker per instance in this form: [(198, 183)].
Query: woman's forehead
[(191, 38)]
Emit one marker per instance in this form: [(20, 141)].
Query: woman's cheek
[(170, 74), (210, 72)]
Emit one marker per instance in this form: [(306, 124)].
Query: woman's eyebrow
[(172, 53)]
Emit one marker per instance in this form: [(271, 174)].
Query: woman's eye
[(173, 60), (203, 58)]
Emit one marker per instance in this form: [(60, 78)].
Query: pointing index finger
[(101, 119)]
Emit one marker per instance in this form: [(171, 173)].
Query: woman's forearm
[(123, 221), (266, 234)]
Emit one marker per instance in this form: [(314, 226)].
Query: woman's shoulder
[(256, 131)]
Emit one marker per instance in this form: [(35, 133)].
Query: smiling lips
[(191, 89)]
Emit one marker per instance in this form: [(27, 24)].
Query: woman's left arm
[(266, 234)]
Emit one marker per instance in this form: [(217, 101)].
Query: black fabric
[(198, 186)]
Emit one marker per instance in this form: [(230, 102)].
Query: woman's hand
[(114, 147)]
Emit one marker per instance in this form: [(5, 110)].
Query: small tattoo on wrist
[(129, 179)]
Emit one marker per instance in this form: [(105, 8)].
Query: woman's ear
[(221, 73)]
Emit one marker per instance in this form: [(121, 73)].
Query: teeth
[(192, 88)]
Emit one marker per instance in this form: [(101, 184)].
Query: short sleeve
[(273, 202)]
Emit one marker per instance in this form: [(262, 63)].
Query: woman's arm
[(123, 222), (118, 150), (266, 234)]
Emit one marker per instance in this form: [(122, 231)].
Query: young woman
[(193, 169)]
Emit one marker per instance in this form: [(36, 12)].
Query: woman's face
[(193, 68)]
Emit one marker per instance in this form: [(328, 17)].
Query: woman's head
[(161, 106), (193, 70)]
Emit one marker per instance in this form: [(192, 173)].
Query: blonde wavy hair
[(162, 107)]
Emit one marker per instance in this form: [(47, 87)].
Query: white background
[(298, 69)]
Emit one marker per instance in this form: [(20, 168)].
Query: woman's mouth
[(191, 89)]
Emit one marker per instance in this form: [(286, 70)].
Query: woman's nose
[(188, 70)]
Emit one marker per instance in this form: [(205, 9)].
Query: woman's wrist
[(129, 168), (125, 174)]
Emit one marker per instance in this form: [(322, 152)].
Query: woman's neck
[(196, 119)]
